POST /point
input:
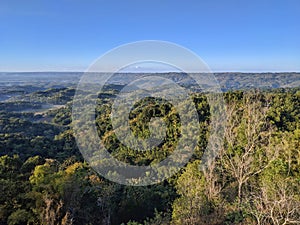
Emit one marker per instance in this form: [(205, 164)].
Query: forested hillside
[(255, 178)]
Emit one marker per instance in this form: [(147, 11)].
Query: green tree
[(193, 205)]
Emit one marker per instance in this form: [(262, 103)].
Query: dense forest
[(255, 178)]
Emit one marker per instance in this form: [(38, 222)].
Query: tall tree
[(248, 149)]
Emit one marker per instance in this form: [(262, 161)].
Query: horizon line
[(135, 72)]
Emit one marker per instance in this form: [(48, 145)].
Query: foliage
[(255, 179)]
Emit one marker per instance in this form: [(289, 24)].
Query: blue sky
[(229, 35)]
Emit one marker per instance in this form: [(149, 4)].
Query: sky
[(229, 35)]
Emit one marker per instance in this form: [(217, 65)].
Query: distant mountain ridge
[(228, 80)]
